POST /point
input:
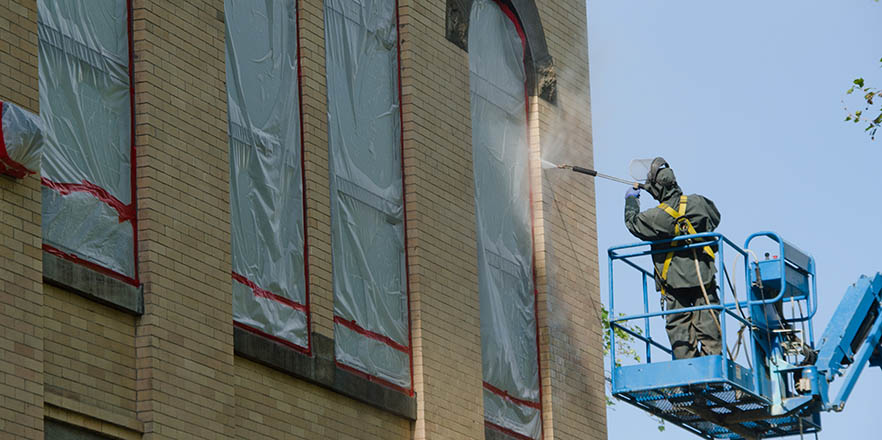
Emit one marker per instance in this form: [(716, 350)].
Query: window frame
[(126, 211), (405, 270), (512, 16), (257, 290)]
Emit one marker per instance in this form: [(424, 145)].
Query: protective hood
[(663, 187)]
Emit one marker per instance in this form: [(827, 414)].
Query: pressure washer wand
[(594, 173)]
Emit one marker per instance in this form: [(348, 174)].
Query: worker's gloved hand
[(632, 192)]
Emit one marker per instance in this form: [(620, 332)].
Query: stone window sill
[(93, 285), (320, 369)]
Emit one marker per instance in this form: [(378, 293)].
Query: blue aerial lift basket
[(779, 384)]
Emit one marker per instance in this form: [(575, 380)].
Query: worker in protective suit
[(685, 278)]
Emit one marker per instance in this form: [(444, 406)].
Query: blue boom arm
[(851, 339)]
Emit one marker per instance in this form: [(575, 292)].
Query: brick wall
[(21, 300), (89, 357), (171, 373), (442, 251), (184, 340), (18, 53), (272, 405), (315, 157), (573, 383)]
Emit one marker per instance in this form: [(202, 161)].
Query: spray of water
[(566, 139), (547, 164)]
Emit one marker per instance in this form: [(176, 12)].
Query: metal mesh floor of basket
[(719, 411)]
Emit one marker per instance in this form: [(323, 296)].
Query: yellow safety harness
[(683, 226)]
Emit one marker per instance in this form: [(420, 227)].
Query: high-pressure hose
[(594, 173)]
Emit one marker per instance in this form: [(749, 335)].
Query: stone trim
[(494, 434), (72, 412), (321, 370), (93, 285), (541, 74)]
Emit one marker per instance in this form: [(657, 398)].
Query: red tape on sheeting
[(125, 212), (520, 30), (403, 183), (263, 293), (303, 176), (351, 325), (507, 431), (504, 394), (97, 268), (9, 166), (374, 379), (266, 335), (133, 154)]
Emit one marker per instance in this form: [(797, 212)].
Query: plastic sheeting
[(85, 104), (504, 231), (266, 184), (21, 141), (370, 296)]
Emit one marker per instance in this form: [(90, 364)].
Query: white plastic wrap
[(266, 186), (370, 297), (21, 141), (502, 199), (85, 105)]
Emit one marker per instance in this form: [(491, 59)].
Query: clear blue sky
[(744, 100)]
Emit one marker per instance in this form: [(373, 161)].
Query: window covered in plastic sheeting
[(504, 229), (371, 316), (266, 183), (86, 108), (21, 141)]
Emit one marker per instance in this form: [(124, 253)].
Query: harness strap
[(679, 216)]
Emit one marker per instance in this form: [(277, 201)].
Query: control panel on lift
[(793, 269)]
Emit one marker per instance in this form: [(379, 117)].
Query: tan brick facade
[(21, 299), (173, 372), (441, 227), (570, 306)]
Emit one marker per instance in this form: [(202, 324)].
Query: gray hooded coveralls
[(681, 287)]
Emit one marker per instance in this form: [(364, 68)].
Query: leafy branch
[(871, 101), (869, 95), (623, 348), (623, 339)]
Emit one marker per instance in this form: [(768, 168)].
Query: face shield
[(639, 169), (645, 170)]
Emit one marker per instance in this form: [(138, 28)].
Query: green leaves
[(871, 111), (623, 349), (623, 339)]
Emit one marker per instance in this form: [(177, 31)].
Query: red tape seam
[(403, 189), (125, 212), (9, 166), (263, 293), (504, 394), (351, 325), (266, 335), (374, 379), (133, 154), (303, 179), (520, 30), (507, 431), (97, 268)]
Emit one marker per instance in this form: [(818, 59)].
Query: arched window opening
[(497, 47)]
